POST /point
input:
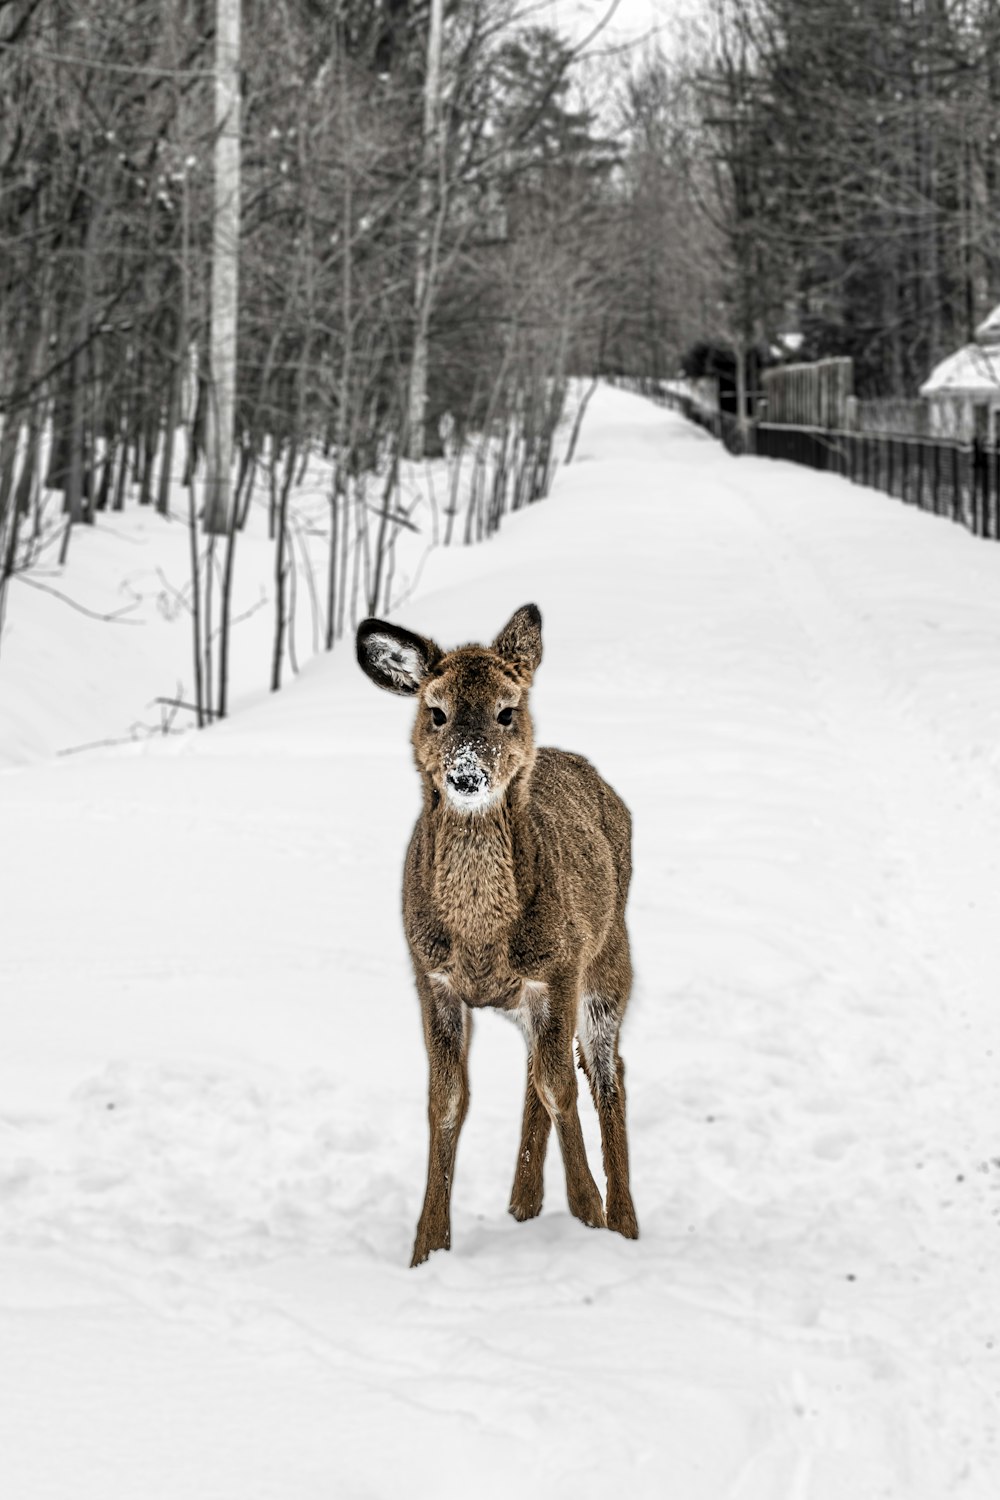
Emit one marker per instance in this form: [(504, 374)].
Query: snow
[(212, 1129), (86, 653)]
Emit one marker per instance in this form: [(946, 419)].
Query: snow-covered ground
[(212, 1075), (102, 650)]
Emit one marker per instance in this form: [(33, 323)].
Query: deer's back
[(583, 828)]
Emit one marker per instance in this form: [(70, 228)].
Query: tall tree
[(225, 268)]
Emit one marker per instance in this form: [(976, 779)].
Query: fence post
[(909, 464), (936, 480)]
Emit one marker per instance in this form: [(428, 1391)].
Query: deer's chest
[(470, 926), (479, 976), (472, 885), (487, 966), (477, 964)]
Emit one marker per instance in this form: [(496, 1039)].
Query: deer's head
[(472, 734)]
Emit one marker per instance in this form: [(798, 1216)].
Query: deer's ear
[(520, 641), (394, 658)]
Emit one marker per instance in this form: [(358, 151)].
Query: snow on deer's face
[(473, 730)]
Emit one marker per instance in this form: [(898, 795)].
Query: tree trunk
[(225, 267), (424, 277)]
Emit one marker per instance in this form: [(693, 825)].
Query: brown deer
[(513, 897)]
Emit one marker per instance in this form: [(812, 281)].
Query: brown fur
[(514, 898)]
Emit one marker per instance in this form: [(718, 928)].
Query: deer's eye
[(505, 716), (438, 717)]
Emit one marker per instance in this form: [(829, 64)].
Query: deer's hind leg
[(554, 1078), (602, 1005)]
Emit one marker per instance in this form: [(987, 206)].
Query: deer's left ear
[(394, 658), (520, 641)]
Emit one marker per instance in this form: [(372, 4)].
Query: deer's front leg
[(526, 1194), (447, 1025)]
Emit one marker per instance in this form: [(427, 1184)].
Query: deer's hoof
[(425, 1245), (623, 1221), (422, 1253), (591, 1214)]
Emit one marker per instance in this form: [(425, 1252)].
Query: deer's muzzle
[(467, 780)]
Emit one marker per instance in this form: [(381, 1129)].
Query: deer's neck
[(474, 875)]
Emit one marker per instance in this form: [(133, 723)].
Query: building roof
[(973, 370), (988, 332)]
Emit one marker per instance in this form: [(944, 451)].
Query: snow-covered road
[(212, 1076)]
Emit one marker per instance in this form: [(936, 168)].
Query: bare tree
[(225, 267)]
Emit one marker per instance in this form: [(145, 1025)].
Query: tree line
[(855, 150), (826, 169), (808, 179), (106, 219)]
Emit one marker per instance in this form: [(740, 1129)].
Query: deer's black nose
[(466, 783)]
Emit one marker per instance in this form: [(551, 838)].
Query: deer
[(514, 890)]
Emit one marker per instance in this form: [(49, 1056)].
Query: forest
[(446, 218)]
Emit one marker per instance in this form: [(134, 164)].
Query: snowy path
[(211, 1088)]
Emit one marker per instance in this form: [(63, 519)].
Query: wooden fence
[(945, 418), (809, 395), (821, 394)]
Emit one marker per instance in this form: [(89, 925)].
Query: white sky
[(632, 21)]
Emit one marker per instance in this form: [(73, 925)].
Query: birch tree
[(225, 269)]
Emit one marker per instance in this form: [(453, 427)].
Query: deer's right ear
[(394, 658)]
